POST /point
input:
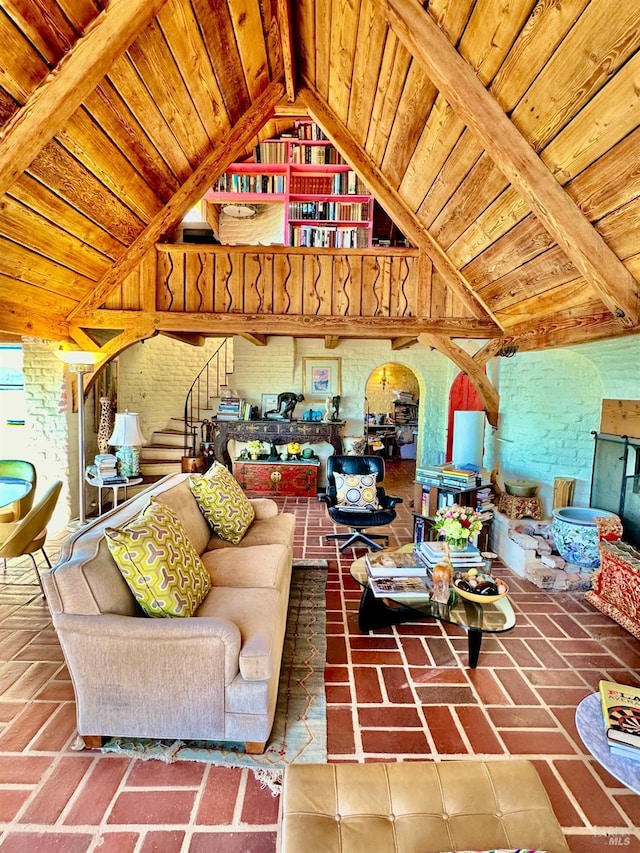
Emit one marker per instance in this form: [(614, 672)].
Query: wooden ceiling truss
[(501, 139)]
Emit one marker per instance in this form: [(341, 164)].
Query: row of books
[(316, 155), (330, 210), (230, 409), (329, 237), (621, 713), (234, 182)]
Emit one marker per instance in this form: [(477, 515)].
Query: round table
[(115, 487), (590, 727), (13, 489)]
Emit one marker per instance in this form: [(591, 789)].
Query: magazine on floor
[(400, 563), (621, 713), (400, 588)]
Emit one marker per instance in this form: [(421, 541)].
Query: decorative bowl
[(482, 599), (521, 488)]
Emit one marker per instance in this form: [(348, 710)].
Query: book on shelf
[(395, 563), (403, 588), (621, 713)]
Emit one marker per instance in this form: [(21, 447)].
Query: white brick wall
[(265, 229)]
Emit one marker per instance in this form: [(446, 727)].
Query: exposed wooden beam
[(65, 88), (403, 343), (476, 374), (488, 351), (514, 156), (231, 147), (286, 109), (286, 41), (186, 338), (84, 341), (256, 340), (298, 325), (389, 198), (331, 341), (21, 319)]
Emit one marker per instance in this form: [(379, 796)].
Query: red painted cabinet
[(297, 479)]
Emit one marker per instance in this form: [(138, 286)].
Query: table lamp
[(126, 436)]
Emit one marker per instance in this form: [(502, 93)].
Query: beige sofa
[(417, 806), (213, 676)]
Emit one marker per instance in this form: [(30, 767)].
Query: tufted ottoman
[(417, 806)]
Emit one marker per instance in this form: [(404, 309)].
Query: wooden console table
[(278, 432)]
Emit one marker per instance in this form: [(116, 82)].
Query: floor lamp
[(80, 363)]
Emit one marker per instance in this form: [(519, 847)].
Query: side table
[(590, 727), (516, 507), (115, 487)]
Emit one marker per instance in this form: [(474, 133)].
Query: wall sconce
[(383, 378), (80, 363), (127, 437)]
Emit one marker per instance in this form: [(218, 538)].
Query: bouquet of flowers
[(457, 524), (254, 447)]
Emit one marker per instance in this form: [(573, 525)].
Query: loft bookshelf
[(325, 204)]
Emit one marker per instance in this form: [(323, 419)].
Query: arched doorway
[(391, 412)]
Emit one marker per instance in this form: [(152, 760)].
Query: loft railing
[(206, 385)]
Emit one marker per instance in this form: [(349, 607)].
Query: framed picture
[(269, 402), (321, 377)]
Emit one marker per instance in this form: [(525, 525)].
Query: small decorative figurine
[(331, 407)]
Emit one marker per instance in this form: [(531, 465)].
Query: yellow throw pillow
[(222, 502), (158, 561), (356, 491)]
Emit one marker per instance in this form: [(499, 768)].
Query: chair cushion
[(222, 502), (159, 563), (357, 491)]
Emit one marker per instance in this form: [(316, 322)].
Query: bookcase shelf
[(300, 171)]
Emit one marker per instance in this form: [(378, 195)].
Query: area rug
[(299, 731)]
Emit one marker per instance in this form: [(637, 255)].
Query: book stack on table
[(621, 712), (433, 553), (397, 574)]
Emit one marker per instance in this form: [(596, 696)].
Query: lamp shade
[(126, 430)]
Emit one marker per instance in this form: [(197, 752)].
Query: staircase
[(163, 455)]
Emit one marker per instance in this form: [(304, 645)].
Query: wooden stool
[(516, 507)]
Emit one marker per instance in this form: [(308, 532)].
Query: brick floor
[(403, 693)]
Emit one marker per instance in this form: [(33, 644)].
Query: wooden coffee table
[(476, 619)]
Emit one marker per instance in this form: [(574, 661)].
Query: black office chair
[(376, 507)]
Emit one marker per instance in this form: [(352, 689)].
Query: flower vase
[(457, 544), (254, 456)]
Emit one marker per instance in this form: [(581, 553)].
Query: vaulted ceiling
[(502, 138)]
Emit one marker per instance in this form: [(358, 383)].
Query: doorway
[(391, 414)]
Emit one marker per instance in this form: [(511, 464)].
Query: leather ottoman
[(417, 806)]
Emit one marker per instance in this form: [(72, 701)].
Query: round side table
[(115, 488), (590, 727)]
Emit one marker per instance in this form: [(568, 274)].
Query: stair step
[(167, 438), (156, 453), (159, 468)]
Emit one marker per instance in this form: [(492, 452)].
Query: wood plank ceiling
[(501, 138)]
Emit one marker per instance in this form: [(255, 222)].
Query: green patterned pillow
[(158, 561), (356, 491), (222, 502)]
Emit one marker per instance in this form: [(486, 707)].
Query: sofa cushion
[(161, 566), (222, 502), (265, 566), (356, 490), (265, 531), (261, 616)]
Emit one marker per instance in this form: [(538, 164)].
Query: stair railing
[(206, 385)]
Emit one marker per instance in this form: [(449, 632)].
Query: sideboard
[(278, 432)]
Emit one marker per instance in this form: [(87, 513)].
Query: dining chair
[(29, 534), (21, 470)]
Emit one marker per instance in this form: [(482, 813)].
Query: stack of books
[(395, 564), (433, 553), (400, 589), (107, 470), (230, 409), (621, 713), (459, 478)]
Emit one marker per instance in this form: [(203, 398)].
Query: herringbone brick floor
[(403, 693)]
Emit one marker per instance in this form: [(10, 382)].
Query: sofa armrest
[(264, 507), (154, 642)]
